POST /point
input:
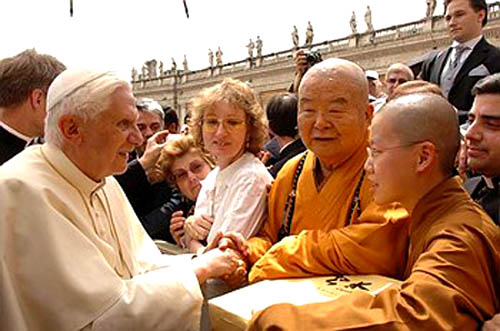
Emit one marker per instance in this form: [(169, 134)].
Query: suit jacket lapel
[(440, 63), (479, 53)]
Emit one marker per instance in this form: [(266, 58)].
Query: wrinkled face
[(394, 79), (149, 123), (332, 121), (188, 170), (462, 21), (389, 164), (224, 131), (483, 135), (108, 138)]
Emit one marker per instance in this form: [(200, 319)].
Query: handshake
[(225, 257)]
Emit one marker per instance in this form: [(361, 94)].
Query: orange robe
[(450, 280), (317, 212)]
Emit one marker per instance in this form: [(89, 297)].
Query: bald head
[(397, 74), (415, 86), (422, 117), (334, 113), (338, 70)]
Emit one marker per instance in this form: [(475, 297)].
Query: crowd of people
[(111, 218)]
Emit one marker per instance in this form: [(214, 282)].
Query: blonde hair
[(177, 148), (239, 95)]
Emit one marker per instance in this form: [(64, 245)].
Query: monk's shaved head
[(335, 69), (333, 111), (425, 117)]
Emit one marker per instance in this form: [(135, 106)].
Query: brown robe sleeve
[(451, 287), (360, 248)]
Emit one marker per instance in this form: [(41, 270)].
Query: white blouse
[(235, 196)]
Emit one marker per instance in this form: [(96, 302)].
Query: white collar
[(470, 43), (287, 144), (14, 132), (69, 170), (489, 182)]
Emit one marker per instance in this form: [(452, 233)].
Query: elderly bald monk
[(451, 275), (73, 253), (324, 188)]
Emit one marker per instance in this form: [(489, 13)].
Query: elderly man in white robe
[(73, 253)]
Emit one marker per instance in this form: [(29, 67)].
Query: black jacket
[(10, 145), (488, 198), (460, 94)]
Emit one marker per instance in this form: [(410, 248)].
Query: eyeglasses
[(194, 167), (374, 153), (211, 125)]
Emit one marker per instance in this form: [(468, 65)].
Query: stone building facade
[(407, 43)]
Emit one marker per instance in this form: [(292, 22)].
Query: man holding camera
[(304, 60)]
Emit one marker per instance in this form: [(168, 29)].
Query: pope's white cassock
[(75, 256)]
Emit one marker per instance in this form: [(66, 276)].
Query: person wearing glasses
[(229, 123), (449, 265), (184, 165), (143, 182)]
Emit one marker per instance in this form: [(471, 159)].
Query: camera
[(313, 57)]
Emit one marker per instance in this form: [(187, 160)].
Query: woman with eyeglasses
[(184, 165), (229, 123)]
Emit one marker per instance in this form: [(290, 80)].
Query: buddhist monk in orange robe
[(452, 261), (331, 189)]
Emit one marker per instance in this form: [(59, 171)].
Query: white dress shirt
[(235, 196)]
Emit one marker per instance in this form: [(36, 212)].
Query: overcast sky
[(121, 34)]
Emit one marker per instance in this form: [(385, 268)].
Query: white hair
[(86, 98)]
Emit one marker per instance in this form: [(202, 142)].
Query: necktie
[(459, 52), (452, 69)]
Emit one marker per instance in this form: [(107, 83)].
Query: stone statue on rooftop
[(368, 19), (352, 22), (295, 37), (250, 47), (152, 69), (185, 64), (218, 57), (431, 7), (134, 75), (309, 34), (174, 66), (161, 68), (210, 58), (258, 46)]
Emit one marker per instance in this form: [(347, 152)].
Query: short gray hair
[(85, 93), (148, 105)]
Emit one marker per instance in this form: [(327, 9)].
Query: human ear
[(37, 98), (482, 14), (70, 127), (369, 113), (427, 155)]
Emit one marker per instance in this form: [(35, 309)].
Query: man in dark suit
[(281, 112), (24, 80), (469, 58), (483, 146), (151, 197), (483, 154)]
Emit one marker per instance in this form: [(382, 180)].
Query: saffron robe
[(74, 255), (316, 213), (450, 280)]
